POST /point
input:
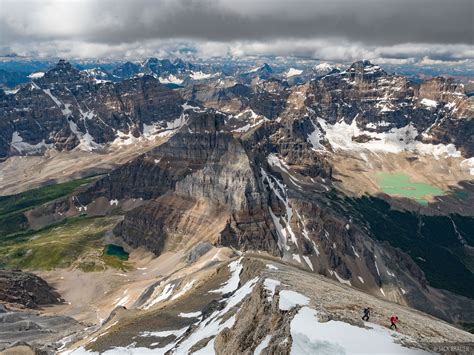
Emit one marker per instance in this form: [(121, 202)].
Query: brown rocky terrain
[(26, 289)]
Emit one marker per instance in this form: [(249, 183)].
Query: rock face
[(200, 162), (26, 289)]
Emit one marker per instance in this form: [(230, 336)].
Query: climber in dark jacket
[(366, 315)]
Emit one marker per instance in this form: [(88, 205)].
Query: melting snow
[(165, 333), (185, 289), (341, 280), (283, 231), (429, 103), (199, 75), (290, 299), (262, 345), (308, 261), (377, 267), (186, 106), (297, 258), (86, 141), (171, 79), (54, 98), (271, 286), (165, 294), (271, 267), (355, 253), (315, 138), (232, 284), (214, 325), (190, 315), (21, 147), (360, 279)]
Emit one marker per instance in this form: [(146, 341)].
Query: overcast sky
[(392, 31)]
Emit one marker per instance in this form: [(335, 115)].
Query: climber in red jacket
[(393, 320)]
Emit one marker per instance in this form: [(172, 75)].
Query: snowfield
[(395, 141), (334, 337)]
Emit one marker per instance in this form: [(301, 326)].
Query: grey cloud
[(371, 21), (393, 29)]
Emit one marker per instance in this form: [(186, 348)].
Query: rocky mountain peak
[(266, 68), (158, 66), (366, 69), (127, 70), (324, 69), (62, 73)]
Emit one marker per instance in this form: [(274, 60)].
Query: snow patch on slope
[(336, 337), (36, 75), (171, 79), (290, 299), (199, 75), (293, 72), (396, 140), (232, 284), (22, 147)]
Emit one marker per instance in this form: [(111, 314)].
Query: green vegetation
[(75, 241), (400, 185), (432, 241), (32, 198), (12, 208)]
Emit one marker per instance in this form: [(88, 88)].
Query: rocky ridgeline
[(67, 108)]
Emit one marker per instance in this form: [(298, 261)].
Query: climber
[(366, 315), (394, 320)]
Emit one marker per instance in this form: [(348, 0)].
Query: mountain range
[(186, 208)]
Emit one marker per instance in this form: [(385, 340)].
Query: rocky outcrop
[(32, 333), (257, 317), (26, 289)]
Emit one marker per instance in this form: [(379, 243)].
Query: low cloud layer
[(391, 30)]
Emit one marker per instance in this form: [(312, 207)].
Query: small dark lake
[(115, 250)]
